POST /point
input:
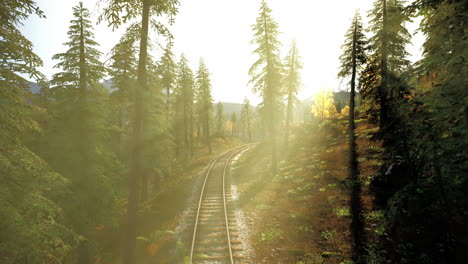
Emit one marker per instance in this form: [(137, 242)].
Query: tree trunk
[(191, 131), (186, 136), (207, 134), (168, 103), (136, 165), (274, 158), (272, 132), (383, 91), (248, 124), (144, 186), (121, 133), (290, 100), (83, 253), (357, 229), (288, 119)]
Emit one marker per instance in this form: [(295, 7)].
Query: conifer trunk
[(144, 186), (136, 166), (191, 131), (288, 119), (290, 102), (186, 137), (248, 124), (83, 252), (356, 205), (207, 132), (268, 98), (383, 91), (168, 102)]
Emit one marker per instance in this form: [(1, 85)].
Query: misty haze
[(240, 132)]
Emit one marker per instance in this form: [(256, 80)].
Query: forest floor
[(160, 214), (301, 214)]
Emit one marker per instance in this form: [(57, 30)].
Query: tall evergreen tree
[(185, 97), (32, 225), (431, 178), (76, 134), (353, 58), (247, 118), (116, 13), (122, 70), (168, 78), (220, 119), (234, 124), (292, 83), (388, 42), (204, 101), (266, 73), (157, 137)]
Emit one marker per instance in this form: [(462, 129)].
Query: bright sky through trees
[(220, 31)]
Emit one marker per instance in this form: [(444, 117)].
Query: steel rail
[(228, 161), (235, 150)]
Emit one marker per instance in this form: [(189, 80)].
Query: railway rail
[(215, 236)]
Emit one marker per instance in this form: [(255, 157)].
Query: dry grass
[(301, 215)]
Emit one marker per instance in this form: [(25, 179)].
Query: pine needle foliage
[(76, 140), (204, 100), (265, 73), (387, 62), (122, 70), (167, 69), (433, 150), (80, 63), (292, 83), (220, 119), (33, 228), (355, 44), (116, 13), (246, 119), (185, 95)]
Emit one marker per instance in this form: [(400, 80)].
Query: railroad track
[(215, 234)]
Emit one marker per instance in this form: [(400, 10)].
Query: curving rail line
[(212, 216)]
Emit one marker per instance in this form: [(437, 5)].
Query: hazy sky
[(220, 32)]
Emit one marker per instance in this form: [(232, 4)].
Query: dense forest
[(96, 161)]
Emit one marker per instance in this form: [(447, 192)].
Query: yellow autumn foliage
[(323, 105), (345, 111)]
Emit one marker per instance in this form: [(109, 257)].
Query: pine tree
[(246, 114), (234, 124), (33, 229), (185, 97), (353, 58), (157, 139), (292, 83), (168, 78), (220, 119), (432, 170), (117, 13), (388, 44), (77, 132), (266, 73), (122, 70), (204, 101)]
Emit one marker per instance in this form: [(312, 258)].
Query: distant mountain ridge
[(34, 87), (229, 108)]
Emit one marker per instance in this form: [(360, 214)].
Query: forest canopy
[(99, 155)]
